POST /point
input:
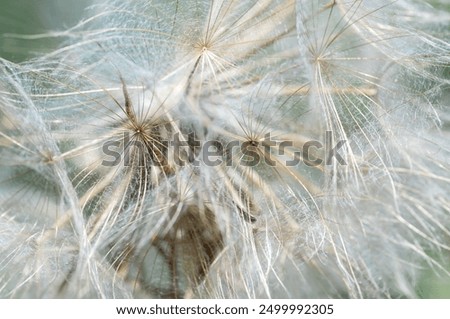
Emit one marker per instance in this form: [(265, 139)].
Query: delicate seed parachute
[(228, 149)]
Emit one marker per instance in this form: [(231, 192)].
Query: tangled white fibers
[(228, 149)]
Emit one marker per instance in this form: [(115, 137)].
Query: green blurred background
[(31, 17)]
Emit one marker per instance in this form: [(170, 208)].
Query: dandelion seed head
[(325, 121)]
